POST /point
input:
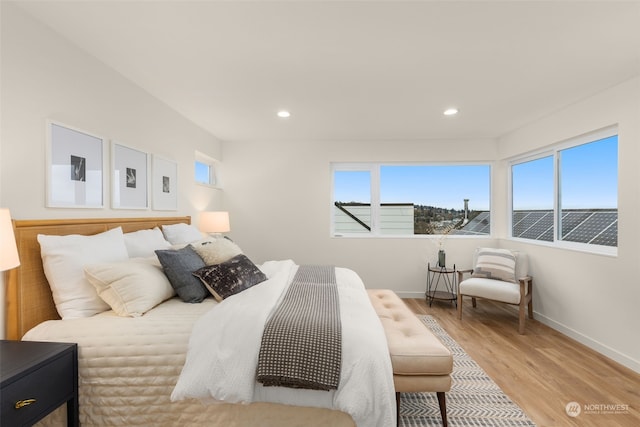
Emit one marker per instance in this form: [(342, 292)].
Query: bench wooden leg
[(441, 402), (443, 407)]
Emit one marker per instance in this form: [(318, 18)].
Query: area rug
[(474, 399)]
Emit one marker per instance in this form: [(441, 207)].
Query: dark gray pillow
[(178, 266), (230, 277)]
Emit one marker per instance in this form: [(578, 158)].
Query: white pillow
[(64, 258), (181, 233), (144, 243), (497, 264), (216, 250), (131, 288)]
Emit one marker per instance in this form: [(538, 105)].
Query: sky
[(202, 172), (589, 179), (443, 186)]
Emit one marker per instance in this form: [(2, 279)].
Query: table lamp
[(8, 250), (214, 222)]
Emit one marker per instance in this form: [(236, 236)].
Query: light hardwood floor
[(543, 370)]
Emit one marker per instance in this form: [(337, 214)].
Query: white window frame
[(555, 151), (214, 178), (374, 169)]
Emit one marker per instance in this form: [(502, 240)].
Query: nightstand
[(36, 378)]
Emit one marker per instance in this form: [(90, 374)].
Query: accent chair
[(499, 275)]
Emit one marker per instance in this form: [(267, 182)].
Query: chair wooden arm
[(523, 281), (461, 274)]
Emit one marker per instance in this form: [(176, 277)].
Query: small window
[(205, 171)]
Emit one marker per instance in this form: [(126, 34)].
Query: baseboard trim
[(611, 353)]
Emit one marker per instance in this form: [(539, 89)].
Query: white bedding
[(366, 389), (128, 367)]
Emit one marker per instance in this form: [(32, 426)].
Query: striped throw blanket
[(302, 341)]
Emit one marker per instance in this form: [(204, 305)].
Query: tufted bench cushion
[(421, 363)]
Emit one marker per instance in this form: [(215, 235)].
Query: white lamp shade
[(214, 222), (8, 250)]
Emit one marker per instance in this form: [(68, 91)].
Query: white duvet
[(225, 342)]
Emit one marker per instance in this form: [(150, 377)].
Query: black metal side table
[(442, 284)]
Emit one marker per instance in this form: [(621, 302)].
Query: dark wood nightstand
[(36, 378)]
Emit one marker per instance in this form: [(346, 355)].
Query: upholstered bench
[(421, 363)]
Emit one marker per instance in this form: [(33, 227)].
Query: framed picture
[(75, 167), (165, 184), (129, 177)]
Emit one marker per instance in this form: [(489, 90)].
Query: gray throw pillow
[(230, 277), (178, 266)]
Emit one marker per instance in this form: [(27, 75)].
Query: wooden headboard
[(29, 300)]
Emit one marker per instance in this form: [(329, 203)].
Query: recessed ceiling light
[(284, 114), (450, 111)]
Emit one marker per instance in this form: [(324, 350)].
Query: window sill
[(214, 187), (575, 247)]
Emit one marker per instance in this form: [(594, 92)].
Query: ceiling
[(358, 70)]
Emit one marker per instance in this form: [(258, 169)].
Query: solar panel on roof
[(518, 215), (529, 220), (547, 236), (571, 219), (538, 228), (608, 237), (598, 227), (480, 224), (592, 227)]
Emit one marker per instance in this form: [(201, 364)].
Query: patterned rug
[(474, 399)]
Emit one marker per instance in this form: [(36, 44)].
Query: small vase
[(441, 258)]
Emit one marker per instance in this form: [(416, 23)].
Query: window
[(352, 199), (533, 195), (205, 172), (410, 199), (569, 195)]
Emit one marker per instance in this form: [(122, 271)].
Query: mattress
[(129, 367)]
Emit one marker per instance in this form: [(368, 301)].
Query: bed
[(127, 378)]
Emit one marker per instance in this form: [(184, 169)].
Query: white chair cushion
[(497, 290)]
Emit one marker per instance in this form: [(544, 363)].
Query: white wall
[(592, 298), (279, 198), (45, 77)]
